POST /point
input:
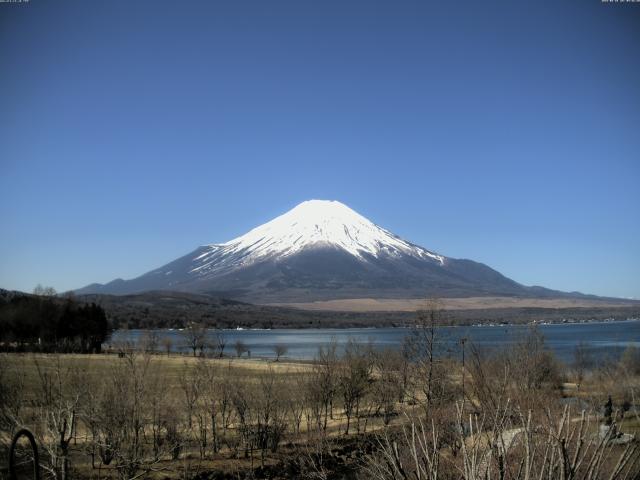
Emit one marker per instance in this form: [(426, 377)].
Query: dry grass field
[(470, 303), (150, 415)]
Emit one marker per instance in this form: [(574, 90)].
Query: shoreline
[(399, 327)]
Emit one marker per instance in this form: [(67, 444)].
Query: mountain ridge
[(322, 250)]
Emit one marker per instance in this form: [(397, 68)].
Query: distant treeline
[(51, 324)]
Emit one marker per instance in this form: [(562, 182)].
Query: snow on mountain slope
[(311, 223)]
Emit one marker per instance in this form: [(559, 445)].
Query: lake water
[(603, 339)]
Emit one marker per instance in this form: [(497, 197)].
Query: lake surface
[(605, 340)]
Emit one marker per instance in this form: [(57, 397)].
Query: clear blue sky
[(505, 132)]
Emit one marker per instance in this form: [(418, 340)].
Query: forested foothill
[(164, 309)]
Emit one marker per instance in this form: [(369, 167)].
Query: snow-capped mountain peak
[(310, 224), (319, 250)]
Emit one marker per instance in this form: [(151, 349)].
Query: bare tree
[(424, 350), (297, 398), (533, 365), (201, 378), (149, 341), (132, 425), (240, 348), (280, 350), (490, 378), (167, 343), (126, 411), (316, 401), (224, 390), (191, 386), (213, 400), (388, 385), (630, 360), (162, 416), (44, 291), (582, 361), (220, 342), (195, 336), (315, 457), (323, 385), (241, 399), (354, 376), (270, 412), (61, 391)]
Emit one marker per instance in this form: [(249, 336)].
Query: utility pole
[(463, 340)]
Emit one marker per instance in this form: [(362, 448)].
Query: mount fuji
[(321, 250)]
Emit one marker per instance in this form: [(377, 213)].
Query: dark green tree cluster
[(49, 324)]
